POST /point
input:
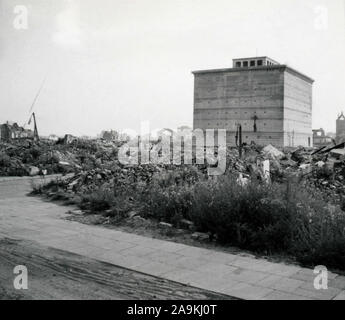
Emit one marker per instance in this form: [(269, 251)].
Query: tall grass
[(284, 218)]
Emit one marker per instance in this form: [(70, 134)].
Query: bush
[(169, 197), (97, 201), (169, 204), (245, 216), (183, 175), (319, 237), (107, 202), (5, 160), (53, 185), (284, 218), (31, 154), (277, 218)]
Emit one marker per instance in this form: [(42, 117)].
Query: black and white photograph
[(176, 156)]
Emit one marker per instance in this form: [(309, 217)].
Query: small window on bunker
[(238, 64), (254, 125), (259, 62)]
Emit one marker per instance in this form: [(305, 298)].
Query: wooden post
[(240, 140)]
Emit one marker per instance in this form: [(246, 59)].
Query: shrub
[(53, 185), (169, 196), (245, 216), (107, 202), (183, 175), (278, 218), (319, 237), (169, 204), (5, 160), (35, 152), (99, 200)]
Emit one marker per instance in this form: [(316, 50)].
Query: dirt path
[(57, 274)]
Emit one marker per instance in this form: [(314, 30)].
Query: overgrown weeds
[(284, 218)]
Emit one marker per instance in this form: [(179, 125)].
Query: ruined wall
[(5, 133), (297, 110), (340, 125), (226, 97)]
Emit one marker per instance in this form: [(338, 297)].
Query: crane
[(33, 116), (36, 136)]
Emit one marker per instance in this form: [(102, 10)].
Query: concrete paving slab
[(280, 283), (340, 296)]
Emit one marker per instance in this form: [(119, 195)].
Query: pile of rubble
[(101, 171), (95, 164), (117, 177), (27, 157), (327, 171), (323, 168)]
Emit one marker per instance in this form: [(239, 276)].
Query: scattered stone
[(132, 214), (288, 163), (186, 224), (301, 155), (201, 236), (76, 212), (33, 171), (320, 164), (165, 225), (138, 218), (272, 152), (242, 181), (306, 168), (138, 222)]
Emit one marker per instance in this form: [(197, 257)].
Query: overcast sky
[(115, 63)]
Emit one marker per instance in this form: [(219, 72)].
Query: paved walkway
[(30, 218)]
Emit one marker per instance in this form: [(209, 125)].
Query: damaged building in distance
[(11, 130), (272, 102), (340, 127)]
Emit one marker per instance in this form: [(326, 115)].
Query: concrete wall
[(297, 111), (224, 98)]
